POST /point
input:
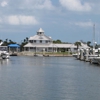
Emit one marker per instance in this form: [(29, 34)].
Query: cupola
[(40, 32)]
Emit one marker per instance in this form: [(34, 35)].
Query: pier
[(88, 55)]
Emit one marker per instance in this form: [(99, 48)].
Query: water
[(48, 78)]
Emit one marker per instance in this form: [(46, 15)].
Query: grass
[(47, 53)]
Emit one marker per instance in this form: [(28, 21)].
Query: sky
[(67, 20)]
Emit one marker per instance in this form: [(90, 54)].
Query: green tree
[(24, 42), (26, 39), (6, 40), (88, 43), (57, 41), (1, 41)]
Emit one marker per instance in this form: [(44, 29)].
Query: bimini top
[(14, 45)]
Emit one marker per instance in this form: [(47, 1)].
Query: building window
[(34, 41), (46, 41), (40, 41), (31, 47), (31, 41)]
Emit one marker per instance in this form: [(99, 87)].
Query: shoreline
[(45, 55)]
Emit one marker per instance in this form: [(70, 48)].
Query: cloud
[(4, 3), (21, 20), (75, 5), (84, 24), (36, 4)]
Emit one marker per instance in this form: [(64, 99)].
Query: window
[(31, 41), (40, 41), (34, 41), (46, 41), (49, 41)]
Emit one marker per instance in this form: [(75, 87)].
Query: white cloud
[(75, 5), (21, 20), (4, 3), (13, 20), (84, 24), (37, 4)]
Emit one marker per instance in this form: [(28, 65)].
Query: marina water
[(48, 78)]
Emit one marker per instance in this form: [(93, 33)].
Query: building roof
[(56, 45), (65, 45), (51, 45), (39, 45), (84, 46), (40, 30), (14, 45), (38, 37)]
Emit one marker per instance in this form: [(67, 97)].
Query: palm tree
[(88, 43), (6, 40), (0, 40), (77, 44), (26, 39)]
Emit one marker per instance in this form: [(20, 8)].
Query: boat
[(75, 55), (5, 55)]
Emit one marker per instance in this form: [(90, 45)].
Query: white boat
[(93, 60), (5, 55), (97, 59), (75, 55)]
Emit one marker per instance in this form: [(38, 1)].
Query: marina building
[(40, 42)]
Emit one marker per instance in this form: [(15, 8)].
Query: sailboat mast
[(94, 36)]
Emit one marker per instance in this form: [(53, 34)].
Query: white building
[(40, 42)]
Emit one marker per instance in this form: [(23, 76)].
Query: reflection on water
[(4, 61), (48, 78)]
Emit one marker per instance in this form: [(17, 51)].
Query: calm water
[(48, 78)]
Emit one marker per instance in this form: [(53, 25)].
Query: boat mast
[(94, 36)]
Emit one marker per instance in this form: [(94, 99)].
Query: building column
[(47, 49), (17, 49), (9, 49), (35, 49), (56, 49)]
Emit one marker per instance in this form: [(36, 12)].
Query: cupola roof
[(41, 30)]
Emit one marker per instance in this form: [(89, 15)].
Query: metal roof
[(40, 30), (38, 37), (55, 45), (51, 45), (14, 45)]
